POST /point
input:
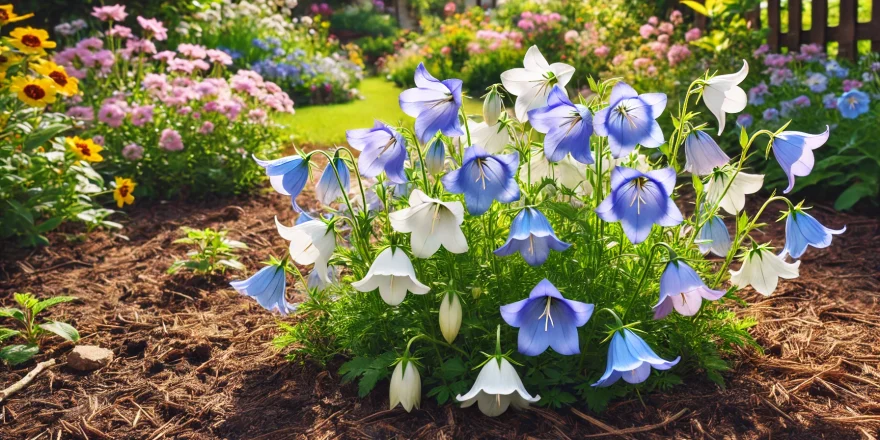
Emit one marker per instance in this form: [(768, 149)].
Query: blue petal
[(640, 350), (703, 154), (715, 231)]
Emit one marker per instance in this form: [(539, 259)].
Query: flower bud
[(450, 316), (476, 292), (406, 386), (492, 107), (435, 159)]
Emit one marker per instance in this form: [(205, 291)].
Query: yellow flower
[(85, 149), (123, 192), (7, 60), (7, 16), (30, 41), (35, 92), (66, 85)]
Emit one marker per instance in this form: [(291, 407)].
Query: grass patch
[(324, 126)]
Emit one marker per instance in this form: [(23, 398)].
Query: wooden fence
[(847, 33)]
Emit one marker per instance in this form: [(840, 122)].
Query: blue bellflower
[(802, 230), (568, 127), (288, 175), (483, 178), (630, 358), (640, 200), (382, 149), (853, 104), (327, 190), (434, 104), (682, 289), (532, 236), (702, 154), (630, 120), (546, 319), (716, 237), (794, 152), (267, 286)]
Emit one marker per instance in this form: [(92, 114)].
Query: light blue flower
[(434, 104), (630, 358), (532, 236), (630, 120), (817, 82), (568, 127), (745, 120), (770, 115), (833, 68), (716, 237), (483, 178), (683, 290), (382, 149), (327, 190), (702, 153), (853, 104), (802, 230), (794, 152), (288, 175), (639, 201), (267, 286)]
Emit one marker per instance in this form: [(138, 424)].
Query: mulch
[(193, 359)]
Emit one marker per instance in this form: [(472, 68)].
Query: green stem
[(650, 260)]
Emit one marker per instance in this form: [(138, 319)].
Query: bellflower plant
[(802, 230), (568, 127), (434, 104), (630, 358), (639, 201), (630, 120), (682, 289), (532, 83), (382, 149), (794, 152), (288, 175), (532, 236), (267, 287), (537, 311), (715, 237), (328, 188), (484, 178)]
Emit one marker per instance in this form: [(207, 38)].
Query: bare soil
[(193, 359)]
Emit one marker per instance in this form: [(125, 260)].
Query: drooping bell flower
[(531, 84), (568, 127), (683, 290), (450, 316), (630, 120), (435, 157), (794, 152), (532, 236), (315, 282), (327, 190), (702, 154), (716, 237), (406, 386), (433, 223), (722, 94), (761, 269), (630, 358), (734, 199), (267, 286), (639, 201), (288, 175), (393, 274), (546, 319), (311, 242), (802, 230), (434, 104), (484, 178), (382, 149)]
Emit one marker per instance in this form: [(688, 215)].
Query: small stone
[(89, 357)]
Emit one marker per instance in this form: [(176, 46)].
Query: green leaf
[(62, 329), (25, 300), (16, 354), (697, 7), (46, 303), (849, 197), (49, 225), (452, 369), (43, 135), (12, 313), (6, 333)]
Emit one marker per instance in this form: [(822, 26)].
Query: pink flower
[(133, 152), (445, 50), (201, 64), (849, 84), (107, 13), (449, 9), (257, 115), (663, 38), (601, 51), (646, 31), (81, 113), (206, 128), (525, 25), (653, 21), (165, 55), (170, 140), (641, 63), (111, 114), (676, 18), (120, 31), (142, 115), (98, 139), (219, 57), (618, 59), (666, 28), (570, 36), (677, 53), (155, 81), (693, 34), (193, 51), (761, 50), (181, 65), (652, 71), (90, 44), (153, 28)]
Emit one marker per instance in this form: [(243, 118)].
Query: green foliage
[(368, 371), (363, 19), (212, 252), (29, 330)]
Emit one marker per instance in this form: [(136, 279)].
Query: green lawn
[(324, 126)]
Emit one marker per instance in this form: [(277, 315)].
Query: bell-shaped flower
[(734, 199), (702, 154), (531, 84), (639, 201), (568, 127), (435, 157), (382, 149), (794, 152), (545, 319), (567, 172), (715, 237), (450, 316), (288, 175), (327, 190), (630, 120), (406, 386), (802, 230), (761, 269), (393, 274), (314, 281), (497, 387), (492, 106), (484, 178), (493, 138), (267, 286), (434, 104), (630, 358), (722, 94), (683, 290), (433, 223), (311, 242), (532, 236)]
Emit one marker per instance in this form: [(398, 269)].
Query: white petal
[(518, 81), (535, 61)]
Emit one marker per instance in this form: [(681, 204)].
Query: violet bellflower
[(702, 154), (568, 127), (794, 152), (639, 201), (716, 237), (802, 230), (327, 190), (630, 358), (532, 236), (682, 289), (434, 104), (483, 178), (267, 286), (288, 175), (382, 149), (546, 319), (630, 120)]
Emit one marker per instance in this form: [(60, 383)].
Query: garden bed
[(193, 359)]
